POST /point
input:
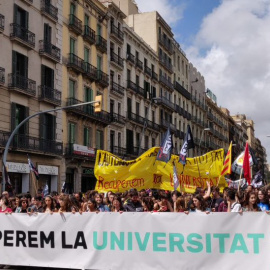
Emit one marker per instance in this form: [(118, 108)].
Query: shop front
[(48, 175)]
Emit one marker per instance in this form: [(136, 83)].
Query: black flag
[(165, 151), (188, 144)]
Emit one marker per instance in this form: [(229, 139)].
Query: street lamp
[(97, 109), (206, 129)]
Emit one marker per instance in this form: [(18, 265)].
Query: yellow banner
[(117, 175)]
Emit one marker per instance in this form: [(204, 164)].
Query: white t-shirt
[(235, 207)]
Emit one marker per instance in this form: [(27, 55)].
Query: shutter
[(53, 128), (15, 17), (51, 83), (26, 19), (25, 64), (41, 126), (26, 125), (14, 62), (43, 80), (13, 116)]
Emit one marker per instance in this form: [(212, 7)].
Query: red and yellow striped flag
[(227, 167)]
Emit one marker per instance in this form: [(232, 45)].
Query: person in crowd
[(23, 205), (216, 200), (199, 203), (233, 205), (79, 197), (12, 203), (6, 194), (175, 195), (180, 205), (249, 188), (90, 206), (4, 205), (251, 203), (164, 204), (37, 204), (223, 206), (55, 195), (142, 193), (109, 199), (263, 201), (117, 205), (100, 206), (48, 205), (65, 205), (75, 204), (133, 204), (147, 204)]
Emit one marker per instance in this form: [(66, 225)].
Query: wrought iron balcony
[(22, 35), (139, 64), (136, 88), (70, 153), (102, 78), (180, 89), (210, 116), (89, 35), (4, 136), (179, 110), (49, 95), (117, 33), (148, 70), (2, 23), (49, 50), (166, 124), (117, 89), (118, 119), (2, 76), (165, 63), (49, 10), (166, 82), (152, 125), (116, 59), (21, 84), (154, 76), (118, 151), (90, 71), (131, 58), (88, 111), (101, 44), (75, 24), (166, 102), (135, 118), (75, 63), (166, 44), (37, 145)]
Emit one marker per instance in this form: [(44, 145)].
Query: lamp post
[(97, 100), (206, 129)]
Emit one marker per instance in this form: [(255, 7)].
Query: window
[(72, 89), (128, 74), (47, 77), (153, 142), (146, 112), (137, 108), (99, 139), (21, 18), (137, 139), (47, 33), (154, 92), (128, 49), (99, 30), (153, 117), (86, 55), (18, 114), (72, 8), (119, 139), (19, 65), (71, 133), (99, 62), (146, 142), (47, 126), (72, 43), (86, 19), (87, 136)]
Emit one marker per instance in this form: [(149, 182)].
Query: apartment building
[(30, 82), (85, 75)]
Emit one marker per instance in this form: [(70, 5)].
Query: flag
[(175, 178), (227, 167), (165, 151), (188, 144), (246, 165), (45, 190), (7, 179), (33, 168)]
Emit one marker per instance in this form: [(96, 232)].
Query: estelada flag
[(165, 151), (227, 167), (246, 166)]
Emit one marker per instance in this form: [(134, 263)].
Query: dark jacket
[(130, 206)]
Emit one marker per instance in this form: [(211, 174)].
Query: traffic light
[(98, 103)]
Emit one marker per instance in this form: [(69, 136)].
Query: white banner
[(136, 240)]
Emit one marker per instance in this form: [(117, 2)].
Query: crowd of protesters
[(151, 200)]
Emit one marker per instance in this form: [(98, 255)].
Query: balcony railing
[(50, 95), (49, 9), (102, 78), (152, 125), (76, 63), (33, 144), (180, 89), (154, 76), (136, 88), (89, 35), (21, 84), (2, 23), (117, 118), (22, 34), (148, 70), (135, 118), (75, 24), (90, 71), (4, 136), (49, 50), (131, 58), (163, 80), (166, 44), (101, 44), (2, 75), (102, 117), (165, 102), (139, 64), (117, 88), (166, 64), (117, 33), (118, 151), (117, 59), (166, 124)]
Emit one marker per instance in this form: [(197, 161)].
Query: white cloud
[(171, 11), (236, 63)]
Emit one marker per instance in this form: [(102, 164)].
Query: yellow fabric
[(145, 172)]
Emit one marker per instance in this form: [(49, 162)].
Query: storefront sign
[(51, 170), (83, 150), (18, 167)]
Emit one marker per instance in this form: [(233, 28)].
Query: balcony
[(152, 125), (154, 76), (193, 98), (118, 151), (148, 71), (179, 110), (75, 63), (166, 124), (117, 60), (101, 44), (139, 64), (118, 119), (87, 111), (48, 10), (135, 118), (90, 71), (75, 24), (102, 78), (32, 144), (166, 82), (89, 154), (167, 103), (49, 50), (131, 58), (49, 95), (117, 89), (117, 33), (89, 35), (2, 76), (165, 63), (210, 116), (21, 84), (134, 87), (28, 2), (2, 23), (166, 44), (22, 35), (4, 136), (180, 89)]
